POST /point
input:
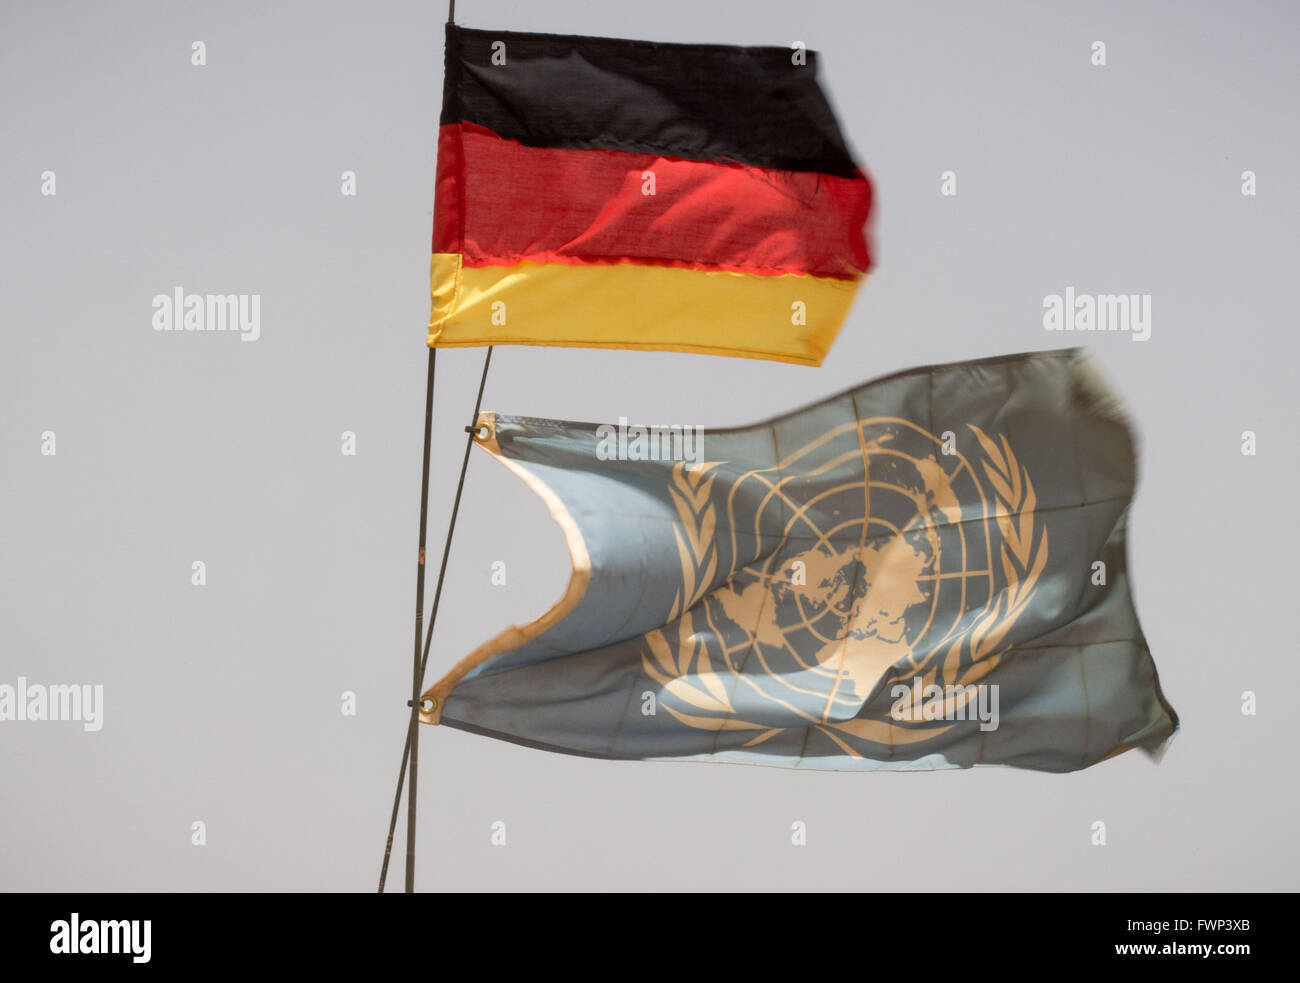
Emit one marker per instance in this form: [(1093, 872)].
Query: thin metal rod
[(397, 802), (455, 508), (417, 667), (410, 751)]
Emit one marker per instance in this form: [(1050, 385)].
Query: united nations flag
[(928, 571)]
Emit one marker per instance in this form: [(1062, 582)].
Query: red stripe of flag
[(553, 205)]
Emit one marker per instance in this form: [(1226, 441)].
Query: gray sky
[(222, 703)]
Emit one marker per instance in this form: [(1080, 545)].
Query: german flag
[(609, 193)]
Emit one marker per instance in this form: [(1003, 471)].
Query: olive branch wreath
[(690, 487), (970, 658)]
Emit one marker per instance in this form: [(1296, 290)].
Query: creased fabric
[(927, 571)]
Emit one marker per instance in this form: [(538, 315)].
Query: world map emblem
[(876, 572)]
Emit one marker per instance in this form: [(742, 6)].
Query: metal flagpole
[(417, 674), (411, 752)]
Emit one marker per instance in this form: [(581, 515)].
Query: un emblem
[(864, 565)]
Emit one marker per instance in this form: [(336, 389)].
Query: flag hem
[(517, 635)]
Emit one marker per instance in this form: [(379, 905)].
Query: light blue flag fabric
[(927, 571)]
